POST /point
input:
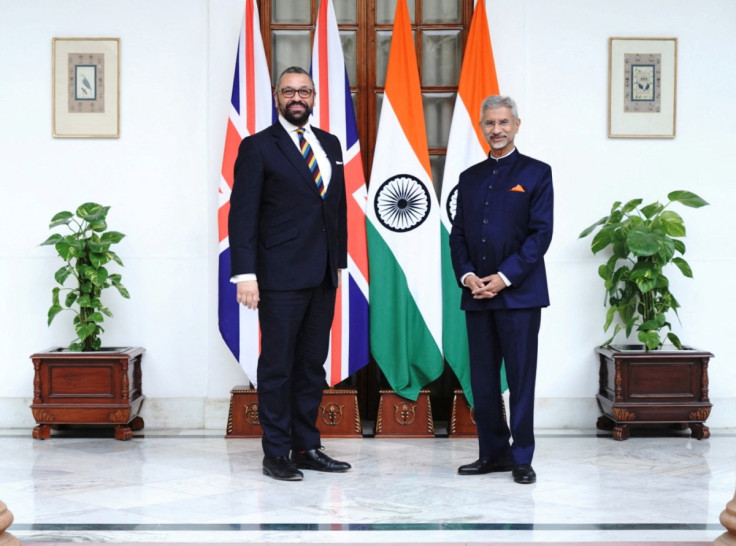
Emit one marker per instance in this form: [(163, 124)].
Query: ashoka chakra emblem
[(452, 204), (402, 203)]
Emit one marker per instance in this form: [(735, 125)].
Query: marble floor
[(195, 486)]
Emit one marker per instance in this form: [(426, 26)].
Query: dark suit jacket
[(279, 226), (503, 222)]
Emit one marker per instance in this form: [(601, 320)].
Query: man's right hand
[(248, 294)]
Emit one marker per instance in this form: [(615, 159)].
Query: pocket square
[(518, 188), (338, 162)]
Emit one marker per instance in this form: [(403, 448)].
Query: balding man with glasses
[(288, 241)]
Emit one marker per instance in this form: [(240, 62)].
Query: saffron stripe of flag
[(333, 112), (403, 222), (465, 147), (251, 109)]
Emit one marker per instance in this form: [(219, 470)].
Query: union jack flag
[(333, 112), (251, 109)]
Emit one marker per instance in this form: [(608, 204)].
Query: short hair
[(294, 70), (499, 101)]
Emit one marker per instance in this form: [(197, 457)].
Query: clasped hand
[(486, 287)]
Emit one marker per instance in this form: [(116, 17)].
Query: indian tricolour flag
[(465, 147), (403, 225), (251, 109), (333, 112)]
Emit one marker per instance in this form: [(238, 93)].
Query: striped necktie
[(308, 155)]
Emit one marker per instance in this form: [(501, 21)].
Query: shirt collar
[(502, 157), (290, 127)]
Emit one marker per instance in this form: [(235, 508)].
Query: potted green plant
[(86, 383), (651, 382)]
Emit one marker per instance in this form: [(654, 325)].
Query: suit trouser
[(496, 337), (295, 332)]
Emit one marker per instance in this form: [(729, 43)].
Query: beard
[(296, 118)]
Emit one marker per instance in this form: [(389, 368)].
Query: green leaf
[(644, 285), (687, 198), (679, 246), (96, 317), (112, 237), (106, 311), (587, 231), (672, 223), (85, 330), (642, 241), (71, 297), (123, 291), (62, 274), (75, 346), (675, 340), (111, 255), (97, 260), (53, 311), (97, 246), (631, 205), (84, 301), (650, 339), (92, 212), (98, 226), (683, 266), (602, 239), (650, 210), (61, 219), (52, 240), (99, 276), (55, 295)]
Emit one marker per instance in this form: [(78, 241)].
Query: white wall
[(161, 178)]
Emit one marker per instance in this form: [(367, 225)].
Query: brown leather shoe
[(281, 468), (315, 459), (483, 467)]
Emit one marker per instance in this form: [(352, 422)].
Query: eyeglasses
[(304, 93)]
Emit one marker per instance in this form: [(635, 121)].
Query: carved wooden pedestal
[(6, 518), (339, 416), (88, 388), (402, 418), (462, 422), (649, 387)]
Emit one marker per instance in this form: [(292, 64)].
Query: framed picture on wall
[(86, 87), (642, 87)]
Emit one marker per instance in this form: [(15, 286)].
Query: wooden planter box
[(88, 388), (649, 387)]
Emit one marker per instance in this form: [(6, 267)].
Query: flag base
[(242, 419), (462, 422), (338, 416), (399, 417)]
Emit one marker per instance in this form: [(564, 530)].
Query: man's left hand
[(492, 285)]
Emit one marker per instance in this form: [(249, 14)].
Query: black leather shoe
[(314, 459), (524, 473), (483, 467), (281, 468)]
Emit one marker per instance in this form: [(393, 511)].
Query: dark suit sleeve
[(518, 265), (461, 263), (342, 260), (244, 207)]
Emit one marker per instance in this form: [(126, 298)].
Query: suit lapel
[(291, 152)]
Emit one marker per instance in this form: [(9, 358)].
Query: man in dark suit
[(501, 230), (288, 240)]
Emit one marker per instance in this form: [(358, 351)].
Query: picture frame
[(85, 87), (642, 90)]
